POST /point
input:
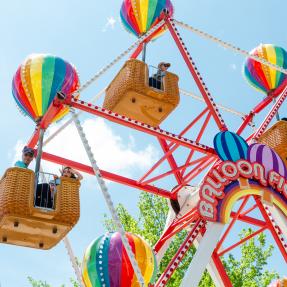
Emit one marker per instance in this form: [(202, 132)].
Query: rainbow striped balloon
[(230, 146), (138, 16), (37, 81), (106, 262), (262, 77), (266, 156)]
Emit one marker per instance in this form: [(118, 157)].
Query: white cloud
[(111, 22), (110, 150)]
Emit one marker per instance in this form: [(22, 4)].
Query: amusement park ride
[(251, 170)]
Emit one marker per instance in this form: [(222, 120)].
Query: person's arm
[(79, 175)]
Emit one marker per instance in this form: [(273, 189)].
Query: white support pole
[(108, 200), (211, 268), (203, 255), (73, 261)]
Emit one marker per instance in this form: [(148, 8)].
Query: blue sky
[(82, 32)]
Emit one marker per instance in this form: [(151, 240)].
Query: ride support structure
[(208, 236)]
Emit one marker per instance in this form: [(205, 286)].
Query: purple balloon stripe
[(115, 260), (275, 161), (69, 77), (267, 160), (258, 149)]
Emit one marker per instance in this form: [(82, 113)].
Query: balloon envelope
[(37, 81), (262, 77), (230, 146), (138, 16), (266, 156), (106, 262)]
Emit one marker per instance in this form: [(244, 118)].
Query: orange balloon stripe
[(26, 80), (24, 99)]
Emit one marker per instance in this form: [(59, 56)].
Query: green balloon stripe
[(151, 12), (48, 69), (91, 264)]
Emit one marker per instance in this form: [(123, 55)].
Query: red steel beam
[(231, 224), (53, 110), (249, 220), (278, 241), (34, 138), (107, 175), (195, 74), (125, 121), (198, 138), (257, 109), (242, 240), (171, 160), (181, 252), (221, 270), (172, 147), (140, 46), (150, 180)]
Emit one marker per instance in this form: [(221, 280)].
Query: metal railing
[(45, 191), (156, 77)]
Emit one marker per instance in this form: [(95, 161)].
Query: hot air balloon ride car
[(23, 221), (276, 138), (268, 80), (132, 93)]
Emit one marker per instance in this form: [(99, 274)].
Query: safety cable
[(108, 200), (230, 46)]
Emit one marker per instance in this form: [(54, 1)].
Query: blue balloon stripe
[(225, 147), (218, 146), (230, 146), (242, 146), (106, 261), (58, 79)]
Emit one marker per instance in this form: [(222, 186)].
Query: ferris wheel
[(218, 184)]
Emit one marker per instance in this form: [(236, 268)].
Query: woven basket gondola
[(129, 94), (23, 224), (276, 138)]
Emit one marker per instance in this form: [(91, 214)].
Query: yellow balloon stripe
[(61, 114), (136, 4), (36, 81), (140, 256), (262, 53), (271, 57), (150, 264), (26, 80), (144, 13)]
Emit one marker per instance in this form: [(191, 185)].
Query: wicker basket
[(276, 138), (129, 94), (23, 224)]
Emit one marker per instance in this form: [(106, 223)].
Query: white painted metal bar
[(203, 255)]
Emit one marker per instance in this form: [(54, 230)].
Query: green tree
[(248, 271)]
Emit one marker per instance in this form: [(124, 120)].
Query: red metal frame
[(183, 173)]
